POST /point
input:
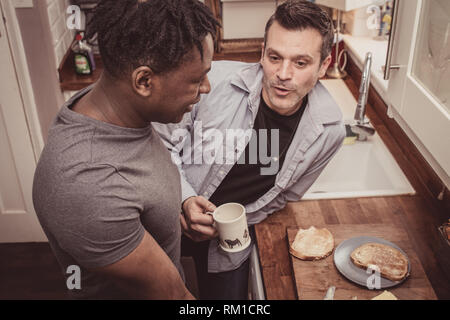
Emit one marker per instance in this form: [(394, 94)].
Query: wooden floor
[(30, 271)]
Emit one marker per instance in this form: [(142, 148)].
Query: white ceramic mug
[(230, 219)]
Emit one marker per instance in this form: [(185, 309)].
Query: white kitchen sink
[(363, 169)]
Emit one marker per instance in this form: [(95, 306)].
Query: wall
[(45, 39)]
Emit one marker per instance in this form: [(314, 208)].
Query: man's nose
[(205, 86), (285, 71)]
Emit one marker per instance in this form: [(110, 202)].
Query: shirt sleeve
[(96, 218)]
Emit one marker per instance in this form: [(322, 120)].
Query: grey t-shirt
[(97, 188)]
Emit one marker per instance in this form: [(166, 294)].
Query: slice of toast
[(312, 244), (392, 264)]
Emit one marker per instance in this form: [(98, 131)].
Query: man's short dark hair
[(153, 33), (301, 15)]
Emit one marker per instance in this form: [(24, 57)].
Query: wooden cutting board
[(313, 278)]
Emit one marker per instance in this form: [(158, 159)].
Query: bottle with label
[(83, 56)]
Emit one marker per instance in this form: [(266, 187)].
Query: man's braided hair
[(154, 33)]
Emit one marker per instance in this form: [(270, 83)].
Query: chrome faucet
[(362, 127)]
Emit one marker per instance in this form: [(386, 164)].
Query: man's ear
[(142, 81), (324, 66)]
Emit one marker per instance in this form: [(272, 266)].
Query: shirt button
[(275, 159)]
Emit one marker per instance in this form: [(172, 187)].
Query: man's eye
[(301, 64), (274, 58)]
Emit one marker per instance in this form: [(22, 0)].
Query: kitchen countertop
[(276, 266), (313, 278), (70, 81)]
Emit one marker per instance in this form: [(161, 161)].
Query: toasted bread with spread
[(392, 264), (312, 244)]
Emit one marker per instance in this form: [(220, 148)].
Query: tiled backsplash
[(62, 36)]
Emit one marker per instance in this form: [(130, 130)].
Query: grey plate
[(358, 275)]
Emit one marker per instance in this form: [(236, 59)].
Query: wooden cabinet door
[(420, 90)]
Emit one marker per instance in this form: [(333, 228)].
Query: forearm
[(147, 273), (166, 285)]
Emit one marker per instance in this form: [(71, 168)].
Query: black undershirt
[(244, 183)]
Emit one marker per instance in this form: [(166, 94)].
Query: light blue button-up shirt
[(233, 104)]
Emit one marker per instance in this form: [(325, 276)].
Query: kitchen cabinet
[(419, 91), (244, 19)]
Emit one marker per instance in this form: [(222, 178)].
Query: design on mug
[(245, 234), (232, 243)]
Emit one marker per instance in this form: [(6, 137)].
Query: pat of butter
[(386, 295)]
